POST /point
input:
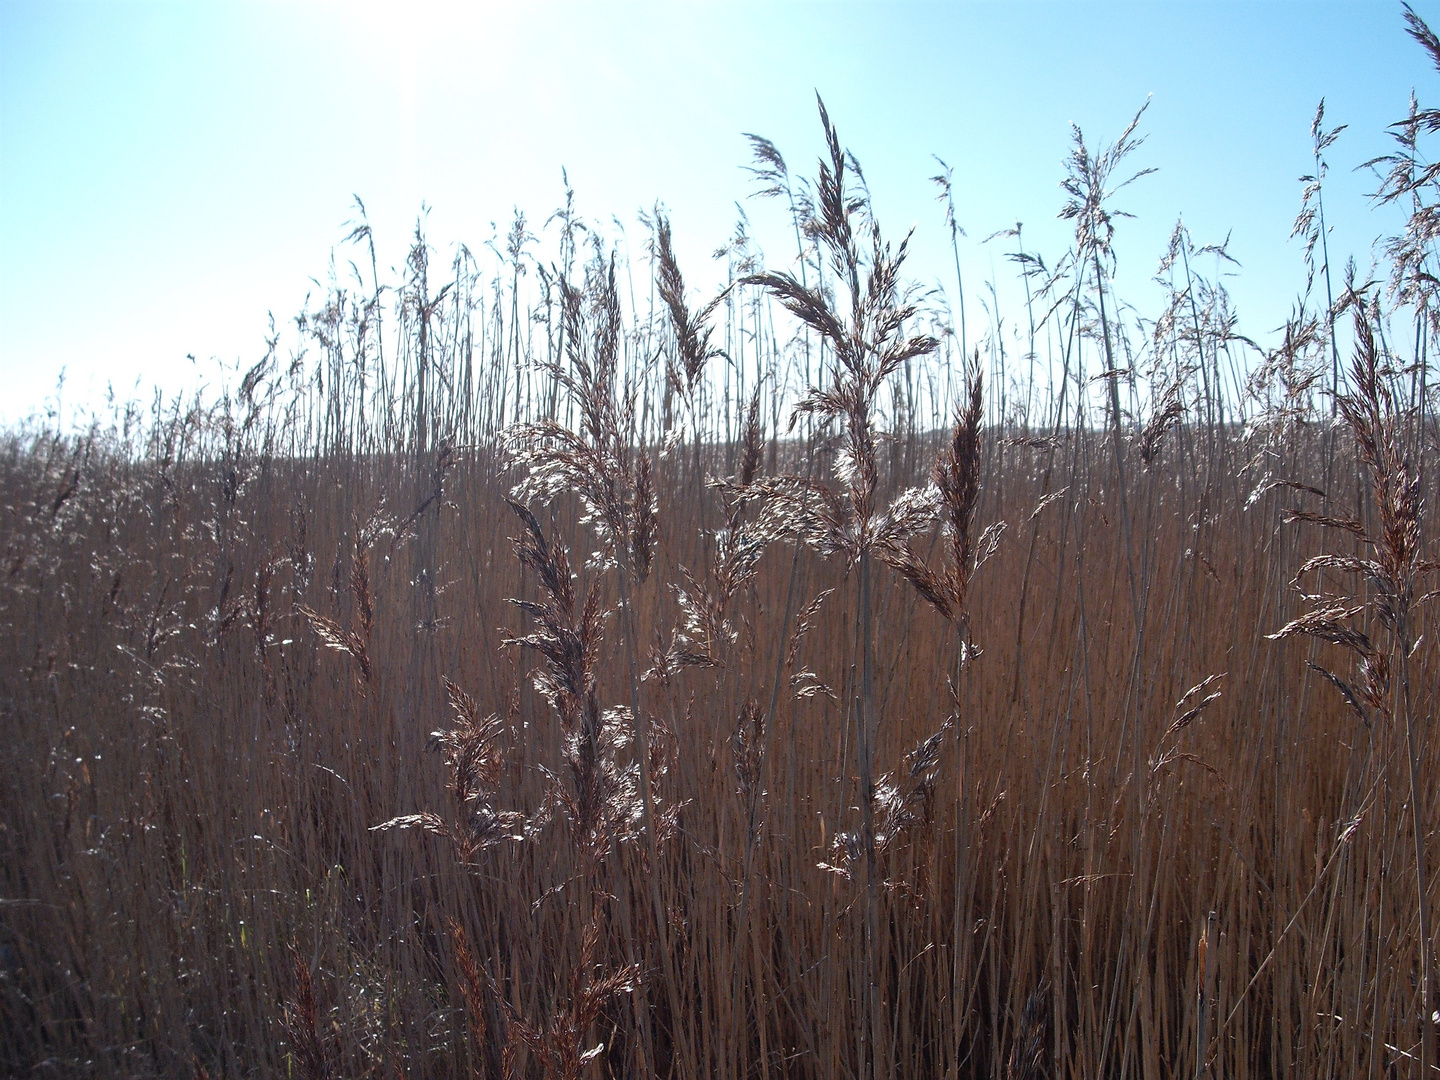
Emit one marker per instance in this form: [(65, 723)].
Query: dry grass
[(837, 750)]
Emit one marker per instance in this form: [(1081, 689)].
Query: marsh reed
[(525, 679)]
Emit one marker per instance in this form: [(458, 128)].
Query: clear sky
[(172, 172)]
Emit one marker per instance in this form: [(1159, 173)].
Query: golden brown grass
[(523, 724), (194, 792)]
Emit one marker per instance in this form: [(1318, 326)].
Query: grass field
[(812, 695)]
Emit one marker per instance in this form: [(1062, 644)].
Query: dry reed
[(716, 792)]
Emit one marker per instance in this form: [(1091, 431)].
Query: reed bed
[(504, 684)]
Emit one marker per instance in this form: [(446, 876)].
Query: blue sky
[(172, 172)]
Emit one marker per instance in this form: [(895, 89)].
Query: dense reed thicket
[(536, 674)]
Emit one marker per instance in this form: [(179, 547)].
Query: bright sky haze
[(172, 172)]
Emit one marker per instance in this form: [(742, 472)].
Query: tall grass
[(540, 673)]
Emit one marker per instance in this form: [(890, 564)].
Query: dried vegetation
[(503, 685)]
